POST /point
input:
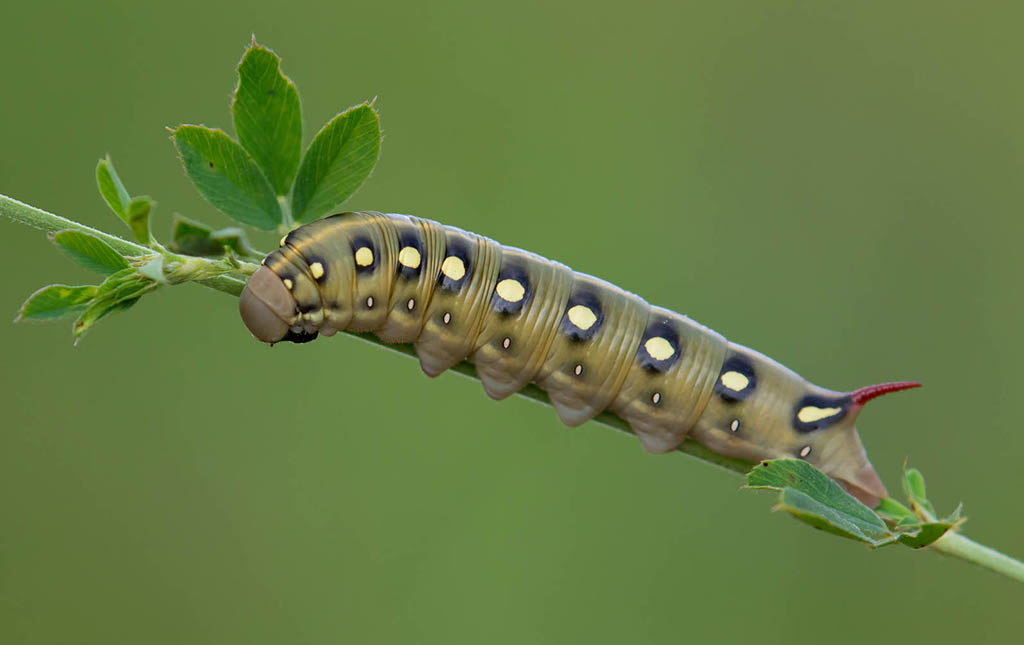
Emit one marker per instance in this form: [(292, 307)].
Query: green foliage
[(89, 251), (814, 498), (227, 177), (268, 117), (118, 292), (195, 238), (134, 211), (250, 179), (138, 218), (56, 301), (111, 188), (341, 156)]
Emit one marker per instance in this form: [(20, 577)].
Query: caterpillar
[(521, 318)]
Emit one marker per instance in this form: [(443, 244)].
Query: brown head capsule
[(266, 306)]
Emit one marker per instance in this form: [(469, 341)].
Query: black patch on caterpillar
[(300, 336), (358, 243), (589, 300), (412, 239), (660, 329), (742, 366), (512, 272), (305, 309), (459, 249), (842, 402)]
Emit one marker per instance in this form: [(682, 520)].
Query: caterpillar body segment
[(522, 318)]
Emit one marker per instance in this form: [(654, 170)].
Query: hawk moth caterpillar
[(522, 318)]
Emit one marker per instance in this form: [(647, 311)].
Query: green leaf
[(921, 535), (117, 293), (916, 491), (337, 162), (268, 116), (111, 188), (89, 251), (138, 218), (814, 498), (194, 238), (891, 510), (55, 301), (226, 176)]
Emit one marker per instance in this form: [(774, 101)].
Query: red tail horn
[(865, 394)]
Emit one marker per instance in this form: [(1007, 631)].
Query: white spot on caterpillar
[(409, 257), (411, 304), (735, 381), (810, 413), (659, 348), (288, 284), (369, 302), (656, 399), (510, 290), (582, 316), (735, 425), (506, 343), (317, 270), (453, 268), (578, 370), (447, 317), (364, 256), (806, 450)]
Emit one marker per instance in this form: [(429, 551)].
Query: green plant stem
[(952, 543), (50, 223), (960, 546)]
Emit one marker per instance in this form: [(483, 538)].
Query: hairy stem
[(960, 546), (50, 223)]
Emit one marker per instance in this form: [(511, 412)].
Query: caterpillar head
[(762, 410), (267, 307)]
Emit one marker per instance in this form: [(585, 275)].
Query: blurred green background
[(837, 186)]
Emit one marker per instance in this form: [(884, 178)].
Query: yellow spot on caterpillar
[(409, 257), (364, 256), (453, 268), (735, 381), (583, 317), (282, 240), (317, 270), (288, 284), (510, 290), (659, 348), (810, 414)]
